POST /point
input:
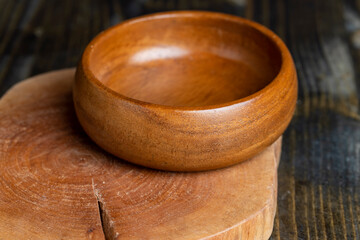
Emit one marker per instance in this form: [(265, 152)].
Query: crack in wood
[(106, 223)]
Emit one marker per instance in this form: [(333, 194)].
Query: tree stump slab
[(55, 183)]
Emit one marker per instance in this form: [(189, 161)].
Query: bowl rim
[(286, 65)]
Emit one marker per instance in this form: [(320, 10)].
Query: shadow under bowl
[(185, 91)]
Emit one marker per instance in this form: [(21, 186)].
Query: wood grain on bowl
[(57, 184), (185, 91)]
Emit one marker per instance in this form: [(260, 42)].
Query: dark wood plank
[(319, 172), (319, 175)]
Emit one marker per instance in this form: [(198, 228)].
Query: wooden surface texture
[(57, 184), (319, 174)]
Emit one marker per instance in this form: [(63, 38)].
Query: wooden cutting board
[(56, 184)]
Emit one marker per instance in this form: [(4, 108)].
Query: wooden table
[(319, 173)]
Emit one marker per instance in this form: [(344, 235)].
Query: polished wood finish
[(56, 184), (185, 91), (319, 193)]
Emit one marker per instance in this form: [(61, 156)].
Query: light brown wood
[(55, 183), (185, 91)]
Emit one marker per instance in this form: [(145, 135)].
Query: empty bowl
[(185, 91)]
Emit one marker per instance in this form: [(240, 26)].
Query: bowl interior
[(185, 60)]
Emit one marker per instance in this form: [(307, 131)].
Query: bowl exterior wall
[(185, 140)]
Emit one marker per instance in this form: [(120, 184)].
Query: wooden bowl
[(185, 91)]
